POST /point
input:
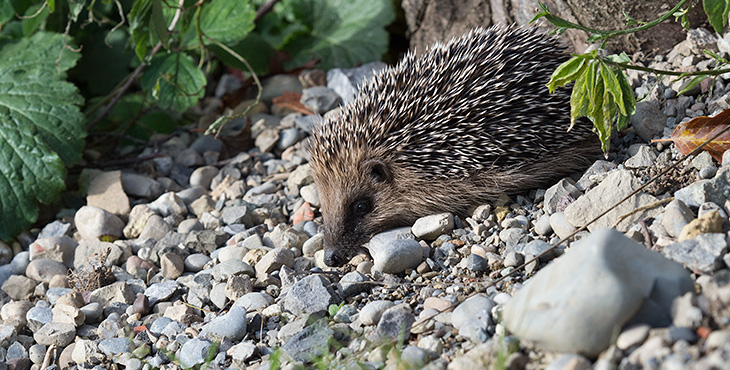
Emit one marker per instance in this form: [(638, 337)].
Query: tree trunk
[(438, 20)]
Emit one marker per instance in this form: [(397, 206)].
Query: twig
[(642, 208)]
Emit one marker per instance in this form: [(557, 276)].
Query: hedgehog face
[(352, 208)]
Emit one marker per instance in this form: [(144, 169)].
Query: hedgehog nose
[(332, 258)]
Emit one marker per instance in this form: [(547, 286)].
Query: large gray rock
[(610, 191), (602, 283)]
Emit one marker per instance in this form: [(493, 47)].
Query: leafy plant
[(41, 129), (601, 91)]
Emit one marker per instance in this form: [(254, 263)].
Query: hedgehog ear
[(379, 171)]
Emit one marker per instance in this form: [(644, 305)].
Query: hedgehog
[(455, 127)]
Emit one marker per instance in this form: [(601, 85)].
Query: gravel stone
[(396, 256), (430, 227), (309, 295), (703, 253), (94, 223), (52, 333)]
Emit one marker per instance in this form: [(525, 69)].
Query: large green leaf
[(40, 127), (227, 21), (174, 81), (717, 12), (342, 33)]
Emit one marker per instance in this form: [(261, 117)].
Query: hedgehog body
[(453, 128)]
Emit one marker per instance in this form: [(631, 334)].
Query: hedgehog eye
[(379, 171), (362, 207)]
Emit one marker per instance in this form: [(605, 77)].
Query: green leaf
[(174, 81), (342, 33), (157, 20), (612, 86), (34, 18), (7, 12), (717, 12), (696, 80), (566, 73), (227, 21), (40, 127)]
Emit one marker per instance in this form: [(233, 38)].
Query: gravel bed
[(198, 257)]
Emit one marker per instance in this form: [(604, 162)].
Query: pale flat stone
[(106, 192)]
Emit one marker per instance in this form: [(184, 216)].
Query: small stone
[(237, 215), (253, 301), (310, 195), (161, 291), (44, 269), (371, 313), (702, 254), (273, 260), (309, 295), (191, 224), (632, 337), (52, 333), (68, 315), (36, 317), (396, 256), (196, 262), (141, 186), (224, 270), (156, 228), (558, 196), (137, 220), (57, 248), (106, 191), (676, 216), (116, 292), (472, 317), (114, 346), (194, 352), (320, 99), (616, 186), (95, 223), (644, 157), (569, 362), (92, 311), (513, 259), (560, 225), (708, 223), (168, 204), (476, 263), (542, 226), (172, 265), (231, 325), (203, 176), (394, 323), (15, 313), (19, 287), (430, 227), (707, 172)]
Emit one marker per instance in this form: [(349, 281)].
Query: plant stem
[(715, 72)]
